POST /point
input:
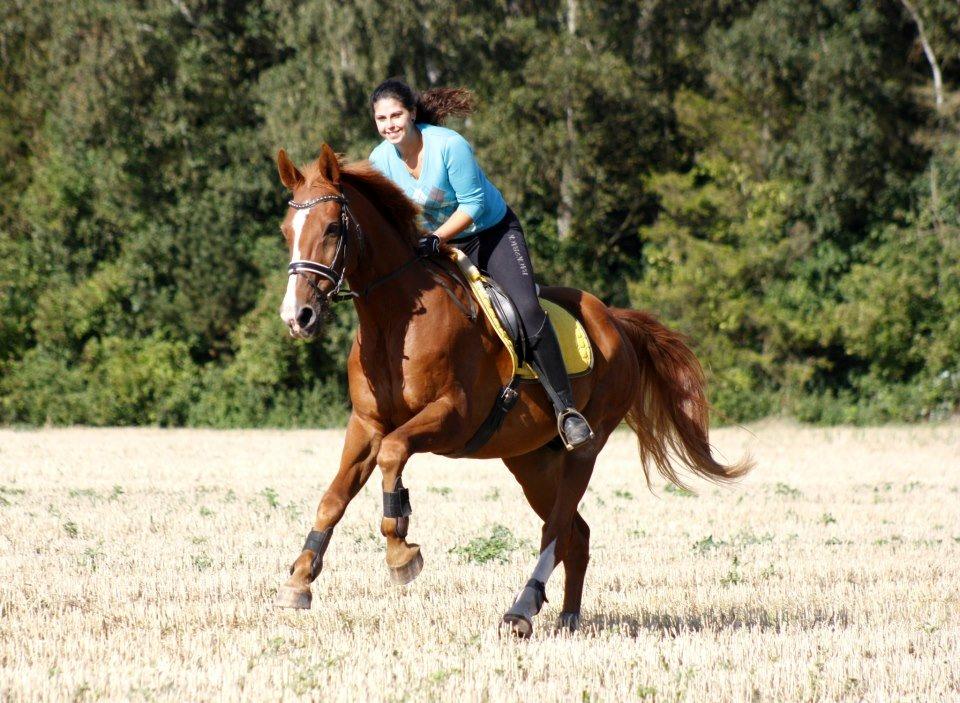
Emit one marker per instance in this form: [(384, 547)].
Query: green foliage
[(733, 576), (738, 542), (784, 489), (678, 491), (708, 543), (115, 381), (771, 178), (806, 252), (718, 262), (496, 547)]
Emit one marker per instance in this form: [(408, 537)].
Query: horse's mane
[(386, 196)]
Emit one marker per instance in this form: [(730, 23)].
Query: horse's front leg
[(423, 432), (356, 464)]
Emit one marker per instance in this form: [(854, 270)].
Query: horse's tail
[(669, 411)]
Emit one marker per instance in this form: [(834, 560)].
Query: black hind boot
[(547, 361)]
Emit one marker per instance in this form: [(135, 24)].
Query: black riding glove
[(428, 246)]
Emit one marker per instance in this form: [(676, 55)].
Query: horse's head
[(316, 230)]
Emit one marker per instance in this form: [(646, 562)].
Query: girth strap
[(504, 403)]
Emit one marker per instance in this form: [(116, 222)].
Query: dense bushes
[(774, 179)]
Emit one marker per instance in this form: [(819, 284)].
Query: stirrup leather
[(571, 412)]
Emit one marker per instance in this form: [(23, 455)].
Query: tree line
[(779, 180)]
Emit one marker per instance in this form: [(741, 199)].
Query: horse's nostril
[(305, 317)]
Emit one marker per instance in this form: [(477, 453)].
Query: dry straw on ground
[(140, 565)]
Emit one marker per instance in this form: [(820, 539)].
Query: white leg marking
[(526, 601), (288, 310), (545, 564)]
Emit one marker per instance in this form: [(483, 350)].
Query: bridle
[(337, 276), (331, 273)]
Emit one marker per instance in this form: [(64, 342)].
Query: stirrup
[(572, 412)]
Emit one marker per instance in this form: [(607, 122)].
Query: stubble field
[(141, 565)]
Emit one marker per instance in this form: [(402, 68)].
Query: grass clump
[(785, 489), (271, 496), (496, 547), (707, 544)]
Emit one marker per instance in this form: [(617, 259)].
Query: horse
[(424, 373)]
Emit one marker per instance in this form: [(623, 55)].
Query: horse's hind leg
[(540, 474), (575, 569), (356, 464)]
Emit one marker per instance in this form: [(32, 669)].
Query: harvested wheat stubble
[(141, 565)]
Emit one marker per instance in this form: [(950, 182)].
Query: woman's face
[(394, 121)]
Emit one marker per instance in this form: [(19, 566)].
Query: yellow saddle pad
[(574, 343)]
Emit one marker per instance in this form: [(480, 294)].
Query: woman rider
[(436, 168)]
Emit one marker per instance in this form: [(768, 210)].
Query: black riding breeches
[(501, 253)]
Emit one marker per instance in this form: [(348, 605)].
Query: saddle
[(505, 320)]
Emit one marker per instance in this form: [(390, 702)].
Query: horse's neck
[(382, 253), (380, 248)]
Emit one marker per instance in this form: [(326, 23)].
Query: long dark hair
[(432, 106)]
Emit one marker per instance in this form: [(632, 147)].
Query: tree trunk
[(938, 104), (928, 52), (568, 173)]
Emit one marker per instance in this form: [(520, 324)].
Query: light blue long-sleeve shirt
[(450, 180)]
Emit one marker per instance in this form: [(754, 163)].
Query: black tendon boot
[(548, 363)]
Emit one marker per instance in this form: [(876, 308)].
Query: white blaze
[(288, 310)]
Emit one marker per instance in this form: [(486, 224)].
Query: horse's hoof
[(518, 625), (570, 621), (290, 597), (401, 575)]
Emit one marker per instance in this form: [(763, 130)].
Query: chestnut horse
[(424, 374)]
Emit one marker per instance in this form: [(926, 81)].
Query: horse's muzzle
[(306, 323)]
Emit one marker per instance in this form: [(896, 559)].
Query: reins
[(338, 276)]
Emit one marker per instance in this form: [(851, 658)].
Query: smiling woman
[(434, 165), (436, 168)]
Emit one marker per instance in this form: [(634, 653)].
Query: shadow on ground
[(673, 624)]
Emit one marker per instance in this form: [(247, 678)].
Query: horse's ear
[(329, 164), (289, 175)]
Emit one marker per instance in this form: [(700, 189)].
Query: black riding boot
[(547, 361)]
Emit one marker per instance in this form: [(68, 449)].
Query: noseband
[(332, 274)]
